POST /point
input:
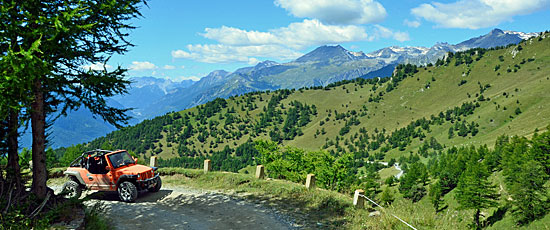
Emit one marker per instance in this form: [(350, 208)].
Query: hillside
[(150, 97), (508, 84), (440, 122)]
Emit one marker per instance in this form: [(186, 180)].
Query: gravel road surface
[(181, 208)]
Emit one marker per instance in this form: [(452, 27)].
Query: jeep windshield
[(120, 159)]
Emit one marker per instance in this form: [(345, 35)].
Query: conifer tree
[(436, 193), (48, 43), (525, 177), (386, 198), (475, 191)]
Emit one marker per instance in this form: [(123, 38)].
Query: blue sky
[(187, 39)]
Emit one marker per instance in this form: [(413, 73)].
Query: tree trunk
[(476, 219), (14, 171), (38, 124)]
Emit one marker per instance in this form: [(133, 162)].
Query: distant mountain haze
[(150, 96), (80, 126)]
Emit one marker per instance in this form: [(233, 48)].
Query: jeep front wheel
[(71, 189), (127, 191), (157, 186)]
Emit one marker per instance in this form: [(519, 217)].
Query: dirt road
[(180, 208)]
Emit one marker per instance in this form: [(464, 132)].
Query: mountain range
[(151, 96), (471, 98), (484, 110)]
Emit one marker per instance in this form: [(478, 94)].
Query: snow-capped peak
[(521, 35)]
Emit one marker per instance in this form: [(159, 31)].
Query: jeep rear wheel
[(157, 187), (127, 191), (71, 189)]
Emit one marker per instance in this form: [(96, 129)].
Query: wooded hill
[(471, 97)]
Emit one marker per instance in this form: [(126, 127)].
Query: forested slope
[(448, 125), (470, 98)]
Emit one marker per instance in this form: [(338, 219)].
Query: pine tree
[(436, 193), (475, 191), (525, 177), (528, 193), (412, 183), (386, 198), (541, 148)]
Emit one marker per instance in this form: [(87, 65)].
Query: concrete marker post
[(310, 181), (207, 166), (153, 162), (260, 174), (358, 201)]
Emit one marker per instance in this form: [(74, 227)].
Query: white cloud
[(168, 67), (145, 65), (401, 36), (96, 66), (383, 32), (413, 24), (220, 53), (183, 67), (298, 35), (336, 12), (475, 14), (235, 36), (237, 45), (182, 78), (253, 61)]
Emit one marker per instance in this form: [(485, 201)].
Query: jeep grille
[(146, 175)]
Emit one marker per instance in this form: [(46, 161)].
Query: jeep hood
[(134, 169)]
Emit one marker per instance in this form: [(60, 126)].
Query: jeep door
[(99, 181), (98, 177)]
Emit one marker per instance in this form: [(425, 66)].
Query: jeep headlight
[(138, 175)]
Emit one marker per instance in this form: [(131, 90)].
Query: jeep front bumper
[(147, 183)]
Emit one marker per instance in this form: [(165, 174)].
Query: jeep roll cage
[(78, 162)]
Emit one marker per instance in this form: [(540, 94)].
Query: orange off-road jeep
[(106, 170)]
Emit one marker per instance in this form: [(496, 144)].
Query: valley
[(432, 120)]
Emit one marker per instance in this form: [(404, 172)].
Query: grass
[(387, 172)]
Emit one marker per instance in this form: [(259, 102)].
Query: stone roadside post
[(310, 181), (260, 174), (207, 166), (153, 162), (358, 201)]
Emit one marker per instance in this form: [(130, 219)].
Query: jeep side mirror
[(107, 168), (135, 159)]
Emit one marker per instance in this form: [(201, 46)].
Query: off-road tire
[(71, 189), (157, 187), (127, 192)]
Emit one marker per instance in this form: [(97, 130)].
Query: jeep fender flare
[(131, 178), (76, 175)]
